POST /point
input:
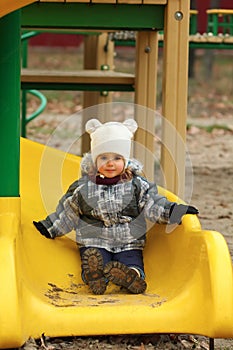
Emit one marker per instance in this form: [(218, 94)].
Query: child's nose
[(109, 161)]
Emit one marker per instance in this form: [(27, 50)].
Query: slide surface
[(188, 270)]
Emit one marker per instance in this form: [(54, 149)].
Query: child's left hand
[(177, 211)]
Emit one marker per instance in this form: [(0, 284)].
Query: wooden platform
[(10, 6), (157, 2), (87, 80)]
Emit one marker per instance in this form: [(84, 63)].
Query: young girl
[(108, 207)]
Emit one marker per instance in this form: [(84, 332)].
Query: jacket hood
[(88, 167)]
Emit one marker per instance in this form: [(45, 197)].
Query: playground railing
[(220, 21), (43, 101), (24, 119)]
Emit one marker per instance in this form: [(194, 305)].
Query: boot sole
[(92, 264), (122, 275)]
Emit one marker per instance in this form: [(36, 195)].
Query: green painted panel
[(9, 104), (93, 16)]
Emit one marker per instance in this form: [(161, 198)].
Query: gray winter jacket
[(109, 216)]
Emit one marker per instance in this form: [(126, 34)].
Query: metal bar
[(193, 24), (195, 45), (40, 109), (9, 104), (211, 343), (24, 92), (23, 113), (95, 16), (74, 31), (217, 46), (77, 87), (28, 35)]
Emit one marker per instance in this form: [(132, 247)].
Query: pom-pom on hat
[(111, 137)]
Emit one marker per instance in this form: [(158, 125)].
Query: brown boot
[(92, 265), (122, 275)]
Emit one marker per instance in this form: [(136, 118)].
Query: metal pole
[(9, 104), (24, 92), (211, 344)]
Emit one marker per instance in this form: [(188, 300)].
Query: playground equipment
[(219, 33), (43, 291), (98, 54), (142, 19), (39, 292), (220, 19), (43, 101), (98, 58), (24, 119)]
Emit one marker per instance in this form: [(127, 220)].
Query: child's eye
[(117, 158), (103, 158)]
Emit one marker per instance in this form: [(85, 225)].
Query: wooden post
[(98, 54), (175, 87), (145, 96)]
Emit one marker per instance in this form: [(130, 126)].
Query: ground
[(210, 145)]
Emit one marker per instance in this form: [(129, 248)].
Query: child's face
[(110, 164)]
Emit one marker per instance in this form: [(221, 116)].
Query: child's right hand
[(177, 211), (42, 229)]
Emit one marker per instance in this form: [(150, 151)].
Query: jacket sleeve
[(156, 207), (66, 216)]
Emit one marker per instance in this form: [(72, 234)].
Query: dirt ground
[(211, 155), (210, 145)]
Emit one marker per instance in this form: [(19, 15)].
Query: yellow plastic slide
[(188, 271)]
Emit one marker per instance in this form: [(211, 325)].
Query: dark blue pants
[(130, 258)]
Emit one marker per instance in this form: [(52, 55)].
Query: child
[(108, 207)]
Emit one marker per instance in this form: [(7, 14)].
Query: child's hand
[(178, 210), (42, 229)]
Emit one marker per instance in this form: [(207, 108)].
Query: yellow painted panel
[(8, 6), (46, 294)]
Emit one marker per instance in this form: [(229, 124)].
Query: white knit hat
[(111, 137)]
